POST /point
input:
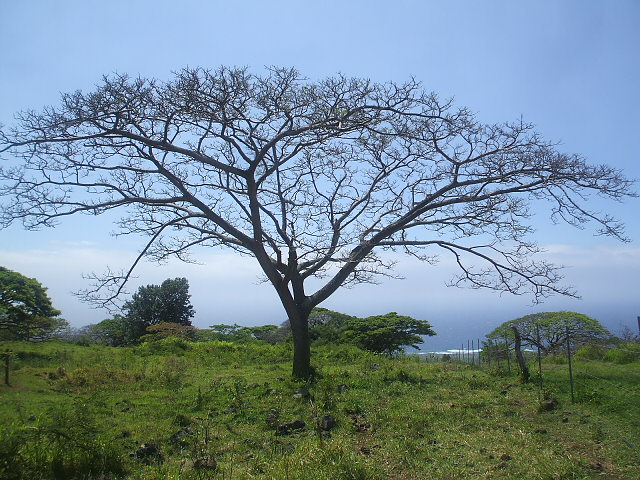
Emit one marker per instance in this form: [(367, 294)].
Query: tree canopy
[(386, 334), (548, 330), (159, 304), (313, 179), (26, 311)]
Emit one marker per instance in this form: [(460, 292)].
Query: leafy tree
[(327, 326), (238, 333), (552, 328), (116, 332), (155, 304), (169, 329), (386, 334), (312, 179), (26, 312)]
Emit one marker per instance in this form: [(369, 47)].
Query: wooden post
[(7, 361), (473, 353), (539, 358), (573, 400), (524, 370), (506, 347)]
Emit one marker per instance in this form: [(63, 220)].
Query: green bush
[(166, 346), (64, 446), (591, 352), (625, 353)]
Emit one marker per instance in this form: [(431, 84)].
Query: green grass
[(84, 412)]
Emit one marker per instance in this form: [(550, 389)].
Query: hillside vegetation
[(172, 409)]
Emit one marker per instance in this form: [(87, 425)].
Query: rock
[(327, 422), (360, 426), (541, 430), (342, 388), (205, 463), (272, 417), (365, 450), (565, 419), (148, 453), (505, 457), (287, 428), (597, 466), (303, 393), (180, 437), (548, 404)]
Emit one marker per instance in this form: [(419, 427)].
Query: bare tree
[(312, 179)]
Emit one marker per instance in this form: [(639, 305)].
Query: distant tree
[(155, 304), (327, 326), (313, 179), (169, 329), (238, 333), (552, 327), (26, 312), (116, 331), (386, 334)]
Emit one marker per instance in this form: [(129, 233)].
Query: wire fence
[(609, 386)]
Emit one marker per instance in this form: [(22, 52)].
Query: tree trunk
[(524, 370), (301, 345)]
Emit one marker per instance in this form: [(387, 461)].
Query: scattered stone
[(433, 441), (31, 418), (375, 366), (505, 457), (365, 450), (548, 405), (180, 437), (327, 422), (125, 409), (303, 393), (565, 419), (597, 466), (125, 434), (361, 426), (541, 430), (342, 388), (148, 453), (290, 427), (205, 463), (272, 417)]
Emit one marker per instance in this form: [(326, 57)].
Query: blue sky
[(570, 67)]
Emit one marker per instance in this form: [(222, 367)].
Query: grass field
[(176, 410)]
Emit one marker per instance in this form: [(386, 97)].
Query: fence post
[(506, 347), (478, 348), (473, 353), (539, 359), (573, 400), (7, 360)]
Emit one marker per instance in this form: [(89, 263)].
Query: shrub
[(166, 346), (625, 353), (64, 446), (591, 352)]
